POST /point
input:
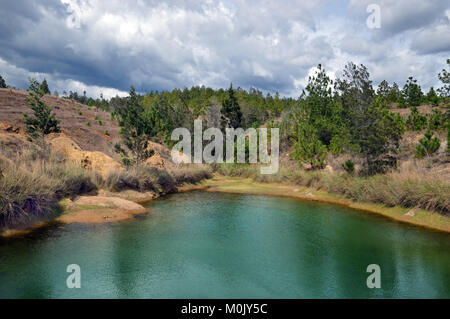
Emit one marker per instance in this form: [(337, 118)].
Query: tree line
[(345, 115)]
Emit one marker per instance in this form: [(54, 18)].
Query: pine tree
[(444, 91), (321, 109), (2, 83), (448, 137), (135, 129), (383, 90), (427, 145), (43, 122), (432, 97), (308, 148), (412, 93), (394, 93), (44, 87), (231, 111), (416, 121), (374, 130)]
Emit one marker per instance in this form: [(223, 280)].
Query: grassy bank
[(419, 217), (31, 189), (408, 188)]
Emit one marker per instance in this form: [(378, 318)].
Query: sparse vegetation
[(153, 179)]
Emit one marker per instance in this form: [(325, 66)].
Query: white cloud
[(272, 45)]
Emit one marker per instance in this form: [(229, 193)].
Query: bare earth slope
[(13, 103), (74, 118)]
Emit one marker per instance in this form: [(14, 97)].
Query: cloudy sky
[(105, 46)]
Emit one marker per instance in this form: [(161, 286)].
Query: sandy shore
[(106, 207), (414, 216), (99, 210), (110, 207)]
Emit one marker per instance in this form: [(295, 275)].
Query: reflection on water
[(212, 245)]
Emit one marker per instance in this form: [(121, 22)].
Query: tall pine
[(231, 111), (135, 129), (43, 121)]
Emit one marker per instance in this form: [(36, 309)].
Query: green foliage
[(432, 97), (379, 141), (79, 112), (412, 92), (436, 120), (337, 145), (2, 83), (373, 130), (231, 111), (416, 121), (349, 166), (44, 87), (126, 162), (394, 93), (448, 137), (43, 122), (136, 129), (384, 90), (308, 147), (161, 117), (356, 95), (106, 132), (88, 124), (427, 145), (444, 77), (322, 111)]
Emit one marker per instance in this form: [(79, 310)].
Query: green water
[(213, 245)]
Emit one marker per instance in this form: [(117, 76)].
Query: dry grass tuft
[(413, 185)]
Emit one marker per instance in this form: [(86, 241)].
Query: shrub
[(427, 145), (190, 176), (349, 166), (415, 121), (153, 179)]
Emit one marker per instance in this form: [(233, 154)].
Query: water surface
[(214, 245)]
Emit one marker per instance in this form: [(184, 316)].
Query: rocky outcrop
[(99, 209), (97, 161)]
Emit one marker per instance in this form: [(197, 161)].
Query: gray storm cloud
[(101, 46)]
